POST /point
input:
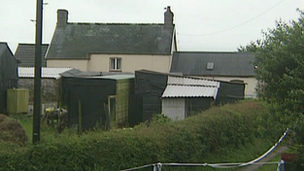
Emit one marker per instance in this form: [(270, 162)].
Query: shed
[(149, 87), (152, 87), (98, 100), (8, 74), (185, 96)]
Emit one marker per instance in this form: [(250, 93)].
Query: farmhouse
[(112, 47)]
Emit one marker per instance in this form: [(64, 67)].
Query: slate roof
[(232, 64), (25, 54), (77, 40), (3, 47)]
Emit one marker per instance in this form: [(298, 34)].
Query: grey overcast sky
[(202, 25)]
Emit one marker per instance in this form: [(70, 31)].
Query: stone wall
[(49, 89)]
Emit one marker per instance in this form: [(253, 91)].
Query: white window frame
[(116, 66)]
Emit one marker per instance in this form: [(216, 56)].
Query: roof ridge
[(193, 78), (33, 44), (192, 85), (96, 23)]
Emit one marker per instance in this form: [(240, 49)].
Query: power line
[(231, 28)]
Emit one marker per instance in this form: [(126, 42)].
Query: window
[(115, 64), (210, 66)]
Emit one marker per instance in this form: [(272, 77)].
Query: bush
[(190, 140)]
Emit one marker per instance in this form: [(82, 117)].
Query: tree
[(280, 72), (280, 64)]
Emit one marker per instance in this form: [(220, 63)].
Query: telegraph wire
[(231, 28)]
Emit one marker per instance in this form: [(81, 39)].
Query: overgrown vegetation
[(221, 134), (11, 131)]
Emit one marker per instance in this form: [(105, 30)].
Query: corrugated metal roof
[(190, 87), (29, 72), (189, 91), (192, 81)]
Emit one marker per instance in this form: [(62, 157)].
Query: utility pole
[(37, 81)]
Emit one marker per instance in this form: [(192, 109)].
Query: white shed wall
[(174, 108)]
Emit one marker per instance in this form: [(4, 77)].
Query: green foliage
[(191, 140), (280, 60), (298, 164), (161, 118)]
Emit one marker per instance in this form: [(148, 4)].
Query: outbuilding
[(8, 74), (179, 96), (185, 96), (102, 101)]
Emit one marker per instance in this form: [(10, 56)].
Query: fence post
[(157, 167), (79, 117)]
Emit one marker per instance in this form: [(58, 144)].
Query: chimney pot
[(62, 17), (168, 23)]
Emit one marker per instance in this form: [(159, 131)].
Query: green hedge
[(190, 140)]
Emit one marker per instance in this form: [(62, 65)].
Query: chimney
[(62, 17), (168, 18)]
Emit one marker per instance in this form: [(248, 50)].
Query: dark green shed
[(98, 100), (8, 74)]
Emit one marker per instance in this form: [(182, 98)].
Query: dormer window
[(115, 64)]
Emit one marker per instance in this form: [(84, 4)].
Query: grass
[(46, 133), (243, 154), (27, 123)]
